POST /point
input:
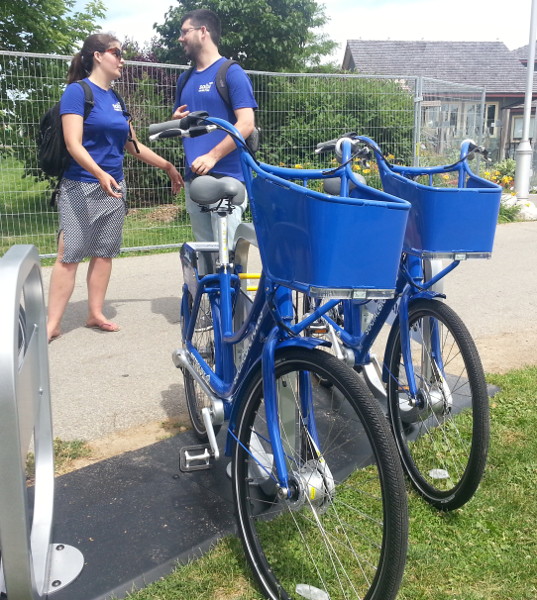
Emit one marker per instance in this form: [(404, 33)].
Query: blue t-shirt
[(200, 93), (105, 131)]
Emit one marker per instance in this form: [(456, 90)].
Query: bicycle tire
[(336, 540), (203, 341), (443, 442)]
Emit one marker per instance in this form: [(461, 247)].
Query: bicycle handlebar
[(471, 148), (357, 148), (193, 125)]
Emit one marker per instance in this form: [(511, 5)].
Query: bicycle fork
[(289, 409), (428, 389)]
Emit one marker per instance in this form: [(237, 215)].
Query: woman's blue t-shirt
[(105, 131)]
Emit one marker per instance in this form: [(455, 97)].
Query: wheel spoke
[(442, 434), (330, 537)]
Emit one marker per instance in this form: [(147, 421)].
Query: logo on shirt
[(117, 106), (206, 87)]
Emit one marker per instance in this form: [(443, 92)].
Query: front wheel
[(442, 435), (341, 530)]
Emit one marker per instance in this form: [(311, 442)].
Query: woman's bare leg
[(99, 272), (62, 283)]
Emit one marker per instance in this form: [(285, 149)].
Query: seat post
[(223, 249)]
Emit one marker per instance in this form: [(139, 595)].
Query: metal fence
[(417, 120)]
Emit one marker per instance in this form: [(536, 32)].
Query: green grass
[(26, 216), (65, 452), (483, 551)]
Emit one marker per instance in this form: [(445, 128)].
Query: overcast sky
[(456, 20)]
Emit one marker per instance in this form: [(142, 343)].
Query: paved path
[(105, 382)]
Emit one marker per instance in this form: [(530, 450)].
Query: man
[(216, 153)]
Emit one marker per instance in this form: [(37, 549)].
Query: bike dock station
[(125, 521), (32, 566)]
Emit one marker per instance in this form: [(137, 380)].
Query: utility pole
[(524, 153)]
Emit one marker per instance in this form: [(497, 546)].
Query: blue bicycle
[(318, 487), (431, 377)]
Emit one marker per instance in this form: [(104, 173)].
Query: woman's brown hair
[(82, 63)]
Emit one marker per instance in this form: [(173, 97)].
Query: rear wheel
[(341, 532), (443, 434)]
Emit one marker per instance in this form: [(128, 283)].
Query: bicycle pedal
[(195, 458)]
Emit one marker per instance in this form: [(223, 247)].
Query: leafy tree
[(263, 35), (30, 85), (47, 26)]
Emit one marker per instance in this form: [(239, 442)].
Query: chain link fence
[(415, 121)]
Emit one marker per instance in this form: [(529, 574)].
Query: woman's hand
[(109, 185), (175, 178)]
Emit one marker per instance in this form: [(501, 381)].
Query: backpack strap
[(221, 81), (128, 117), (183, 78), (89, 102)]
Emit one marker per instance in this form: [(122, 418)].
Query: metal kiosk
[(31, 567)]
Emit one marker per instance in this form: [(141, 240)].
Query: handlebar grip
[(170, 133), (192, 119), (198, 130), (325, 146), (155, 128)]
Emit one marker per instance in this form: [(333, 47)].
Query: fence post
[(416, 134), (31, 566)]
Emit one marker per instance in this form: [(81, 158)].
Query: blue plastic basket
[(328, 245), (447, 222)]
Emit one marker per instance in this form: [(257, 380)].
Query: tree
[(263, 35), (28, 85), (47, 26)]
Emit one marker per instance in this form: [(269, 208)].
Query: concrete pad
[(102, 383)]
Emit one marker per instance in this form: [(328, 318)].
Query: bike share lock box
[(198, 258), (31, 567)]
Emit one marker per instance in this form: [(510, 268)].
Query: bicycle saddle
[(333, 184), (206, 189)]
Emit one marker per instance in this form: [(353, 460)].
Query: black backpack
[(53, 157), (252, 141), (52, 154)]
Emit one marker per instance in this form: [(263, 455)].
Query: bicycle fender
[(303, 342), (427, 294)]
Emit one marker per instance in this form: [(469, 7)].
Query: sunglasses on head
[(116, 52)]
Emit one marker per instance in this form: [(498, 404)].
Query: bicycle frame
[(411, 284), (270, 324), (269, 327)]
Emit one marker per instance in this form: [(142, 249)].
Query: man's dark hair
[(208, 19)]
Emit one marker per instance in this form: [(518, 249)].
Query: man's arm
[(245, 124)]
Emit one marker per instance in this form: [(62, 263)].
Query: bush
[(502, 173)]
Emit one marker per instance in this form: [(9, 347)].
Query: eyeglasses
[(116, 52), (185, 32)]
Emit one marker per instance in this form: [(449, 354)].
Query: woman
[(92, 198)]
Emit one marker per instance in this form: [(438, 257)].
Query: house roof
[(522, 53), (485, 64)]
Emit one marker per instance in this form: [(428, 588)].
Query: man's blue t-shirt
[(105, 131), (200, 93)]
